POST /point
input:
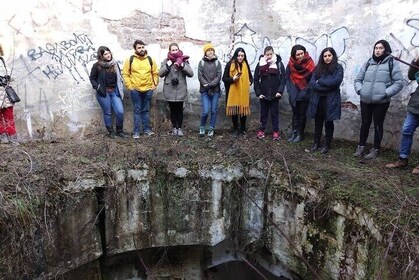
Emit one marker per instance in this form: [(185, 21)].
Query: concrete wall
[(51, 46)]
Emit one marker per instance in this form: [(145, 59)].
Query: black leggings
[(235, 119), (176, 113), (319, 119), (376, 112)]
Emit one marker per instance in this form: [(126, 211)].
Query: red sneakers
[(275, 136), (260, 134)]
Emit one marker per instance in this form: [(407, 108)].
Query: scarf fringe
[(238, 110)]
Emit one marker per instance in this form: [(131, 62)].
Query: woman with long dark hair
[(298, 74), (325, 99), (106, 79), (237, 79), (379, 79)]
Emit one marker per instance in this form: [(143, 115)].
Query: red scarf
[(301, 70), (177, 58)]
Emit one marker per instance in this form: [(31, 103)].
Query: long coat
[(327, 85), (178, 92), (294, 93)]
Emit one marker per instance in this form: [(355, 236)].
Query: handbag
[(11, 94)]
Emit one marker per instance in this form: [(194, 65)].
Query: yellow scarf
[(238, 102)]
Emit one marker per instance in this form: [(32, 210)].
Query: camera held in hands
[(175, 81)]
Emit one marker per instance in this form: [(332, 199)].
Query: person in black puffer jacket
[(411, 122)]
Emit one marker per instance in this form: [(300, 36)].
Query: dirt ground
[(391, 196)]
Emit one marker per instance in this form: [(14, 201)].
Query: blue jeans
[(109, 102), (141, 102), (209, 103), (411, 122)]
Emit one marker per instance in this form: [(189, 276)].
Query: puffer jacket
[(209, 72), (178, 92), (413, 105), (4, 101), (374, 83), (327, 85), (140, 75)]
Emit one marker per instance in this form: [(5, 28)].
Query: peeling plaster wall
[(51, 47)]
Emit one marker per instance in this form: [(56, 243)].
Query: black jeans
[(299, 117), (369, 112), (176, 113), (319, 120)]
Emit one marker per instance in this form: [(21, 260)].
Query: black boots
[(120, 132), (326, 147), (111, 132)]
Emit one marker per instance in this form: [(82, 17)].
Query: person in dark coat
[(269, 85), (411, 122), (106, 79), (325, 101), (298, 74)]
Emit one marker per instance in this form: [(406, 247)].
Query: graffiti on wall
[(68, 56), (414, 24)]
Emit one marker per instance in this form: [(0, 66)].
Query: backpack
[(390, 67), (131, 59), (202, 62)]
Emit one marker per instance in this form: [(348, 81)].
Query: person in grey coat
[(175, 68), (411, 122), (379, 79)]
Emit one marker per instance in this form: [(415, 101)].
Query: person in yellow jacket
[(141, 77)]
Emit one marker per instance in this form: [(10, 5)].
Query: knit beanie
[(208, 46)]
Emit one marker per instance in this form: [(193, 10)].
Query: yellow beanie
[(208, 46)]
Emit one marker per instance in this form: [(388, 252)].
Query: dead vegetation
[(33, 172)]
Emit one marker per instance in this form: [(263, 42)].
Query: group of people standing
[(313, 89)]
